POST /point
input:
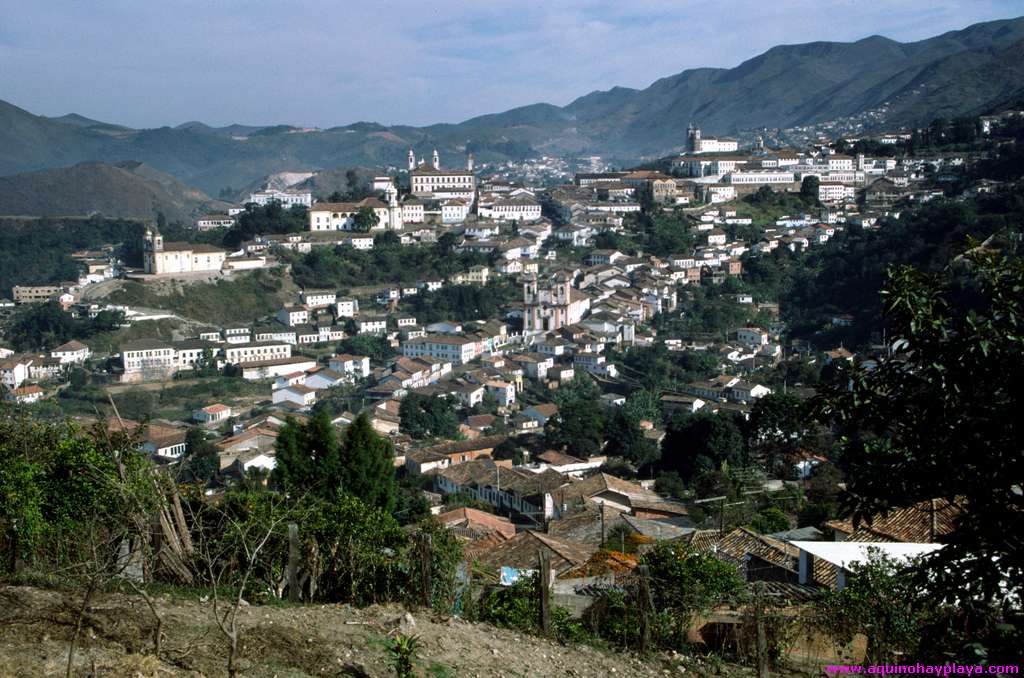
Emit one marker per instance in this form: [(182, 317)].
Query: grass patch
[(242, 299)]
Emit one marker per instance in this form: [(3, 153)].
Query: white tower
[(469, 162), (437, 160), (412, 160)]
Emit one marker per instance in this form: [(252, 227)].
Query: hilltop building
[(160, 258), (695, 143), (431, 181), (551, 304)]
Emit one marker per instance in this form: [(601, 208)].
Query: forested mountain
[(129, 189), (969, 71)]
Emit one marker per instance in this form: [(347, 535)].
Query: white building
[(696, 143), (148, 356), (346, 308), (286, 198), (214, 221), (161, 258), (212, 414), (516, 208), (454, 349), (454, 211), (319, 298), (430, 180), (830, 192), (293, 315), (241, 354), (297, 394), (71, 352), (761, 177), (358, 366)]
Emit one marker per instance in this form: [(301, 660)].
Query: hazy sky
[(323, 63)]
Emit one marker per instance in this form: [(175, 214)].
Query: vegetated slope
[(313, 640), (241, 299), (960, 72), (128, 190)]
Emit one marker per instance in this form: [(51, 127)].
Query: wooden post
[(645, 606), (762, 640), (545, 591), (294, 594), (426, 567)]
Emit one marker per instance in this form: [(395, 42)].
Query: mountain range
[(970, 71), (128, 189)]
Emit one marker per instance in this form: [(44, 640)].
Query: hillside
[(130, 190), (312, 640), (961, 72)]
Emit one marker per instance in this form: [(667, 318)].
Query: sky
[(149, 63)]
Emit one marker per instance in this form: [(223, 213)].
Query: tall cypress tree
[(367, 467), (309, 457)]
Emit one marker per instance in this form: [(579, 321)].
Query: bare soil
[(287, 641)]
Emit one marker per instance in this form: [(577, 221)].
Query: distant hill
[(969, 71), (129, 189)]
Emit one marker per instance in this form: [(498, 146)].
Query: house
[(470, 523), (25, 395), (671, 403), (356, 366), (322, 378), (833, 561), (297, 394), (622, 495), (457, 350), (14, 371), (161, 439), (567, 464), (752, 336), (275, 367), (521, 553), (534, 365), (346, 308), (319, 298), (148, 358), (452, 453), (170, 258), (74, 352), (926, 521), (541, 413), (745, 391), (293, 315), (212, 414)]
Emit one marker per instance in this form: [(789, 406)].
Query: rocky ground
[(287, 641)]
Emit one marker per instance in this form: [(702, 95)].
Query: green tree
[(202, 459), (689, 584), (809, 190), (428, 416), (696, 443), (880, 601), (368, 471), (366, 219), (940, 418), (308, 457), (625, 438), (508, 449), (578, 427), (770, 520), (580, 388)]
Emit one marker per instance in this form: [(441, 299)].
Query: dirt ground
[(287, 642)]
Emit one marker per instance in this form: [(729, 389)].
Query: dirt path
[(290, 641)]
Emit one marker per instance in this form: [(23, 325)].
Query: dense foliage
[(428, 416), (344, 267), (938, 418), (47, 326), (38, 252)]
